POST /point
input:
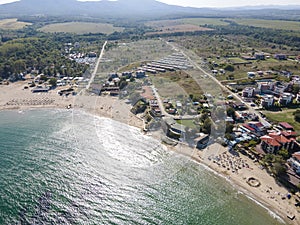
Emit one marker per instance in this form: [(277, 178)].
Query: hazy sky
[(217, 3), (229, 3)]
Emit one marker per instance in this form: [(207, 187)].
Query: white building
[(298, 97), (267, 101), (295, 162), (251, 74), (265, 87), (248, 92), (279, 89), (285, 98)]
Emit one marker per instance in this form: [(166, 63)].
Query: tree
[(297, 115), (229, 68), (207, 126), (229, 136), (295, 89), (279, 169), (252, 143), (123, 84), (53, 82), (284, 153), (230, 112), (229, 128), (204, 116)]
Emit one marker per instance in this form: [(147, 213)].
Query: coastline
[(113, 108), (268, 195)]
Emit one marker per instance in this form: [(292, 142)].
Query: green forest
[(27, 49)]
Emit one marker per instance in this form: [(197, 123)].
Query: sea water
[(69, 167)]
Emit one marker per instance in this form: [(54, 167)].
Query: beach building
[(178, 105), (127, 74), (228, 119), (279, 89), (260, 73), (112, 76), (285, 98), (215, 72), (295, 79), (256, 128), (140, 74), (201, 142), (259, 56), (251, 75), (280, 56), (294, 161), (92, 55), (248, 92), (155, 112), (267, 101), (259, 128), (39, 90), (173, 129), (298, 97), (275, 141), (286, 126), (265, 87)]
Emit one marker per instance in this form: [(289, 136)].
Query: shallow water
[(59, 167)]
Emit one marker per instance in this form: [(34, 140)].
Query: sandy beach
[(14, 96), (235, 169)]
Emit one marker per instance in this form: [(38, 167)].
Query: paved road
[(96, 67), (250, 108)]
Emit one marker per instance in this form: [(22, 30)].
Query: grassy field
[(81, 28), (284, 116), (189, 124), (127, 55), (174, 26), (179, 29), (236, 60), (172, 84), (205, 21), (183, 25), (274, 24), (167, 88), (240, 71), (12, 24), (191, 21)]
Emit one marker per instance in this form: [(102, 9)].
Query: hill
[(143, 10)]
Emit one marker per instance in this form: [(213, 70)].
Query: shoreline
[(240, 189), (115, 109), (276, 208)]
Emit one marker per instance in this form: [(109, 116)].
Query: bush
[(53, 82), (279, 169), (297, 115), (284, 153), (229, 68)]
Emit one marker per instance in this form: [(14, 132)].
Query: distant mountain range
[(142, 9)]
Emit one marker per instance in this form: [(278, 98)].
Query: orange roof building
[(273, 142)]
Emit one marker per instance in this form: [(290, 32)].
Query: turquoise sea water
[(59, 167)]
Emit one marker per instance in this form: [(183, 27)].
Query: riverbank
[(216, 157)]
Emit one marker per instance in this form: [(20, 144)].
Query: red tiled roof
[(296, 155), (280, 138), (270, 141), (258, 124), (248, 127), (286, 125), (289, 133)]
